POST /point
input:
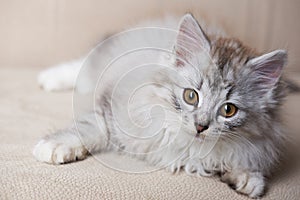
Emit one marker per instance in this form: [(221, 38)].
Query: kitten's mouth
[(200, 136)]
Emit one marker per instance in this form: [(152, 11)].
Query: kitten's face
[(205, 101), (227, 90)]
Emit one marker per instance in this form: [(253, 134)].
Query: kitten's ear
[(190, 39), (268, 67)]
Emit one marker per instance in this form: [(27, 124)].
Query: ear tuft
[(190, 39)]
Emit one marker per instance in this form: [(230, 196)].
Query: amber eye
[(190, 96), (228, 110)]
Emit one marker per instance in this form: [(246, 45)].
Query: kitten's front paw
[(249, 183), (53, 152)]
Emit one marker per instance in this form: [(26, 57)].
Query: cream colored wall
[(40, 33)]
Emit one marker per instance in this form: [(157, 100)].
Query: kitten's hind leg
[(73, 143), (60, 77)]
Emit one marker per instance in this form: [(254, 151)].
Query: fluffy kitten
[(215, 109)]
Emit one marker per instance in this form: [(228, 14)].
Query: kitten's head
[(229, 89)]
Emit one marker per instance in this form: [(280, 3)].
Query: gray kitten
[(221, 109)]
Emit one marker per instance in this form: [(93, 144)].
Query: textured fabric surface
[(27, 113)]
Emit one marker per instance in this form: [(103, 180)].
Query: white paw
[(61, 77), (53, 152), (251, 184)]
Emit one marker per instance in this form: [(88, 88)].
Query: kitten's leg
[(73, 143), (245, 182), (60, 77)]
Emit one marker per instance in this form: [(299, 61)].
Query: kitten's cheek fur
[(53, 152), (248, 183)]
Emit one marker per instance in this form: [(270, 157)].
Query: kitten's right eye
[(190, 96)]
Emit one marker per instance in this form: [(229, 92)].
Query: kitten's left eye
[(190, 96), (228, 110)]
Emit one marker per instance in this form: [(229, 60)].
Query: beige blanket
[(27, 113)]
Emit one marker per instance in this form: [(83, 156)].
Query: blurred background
[(42, 33)]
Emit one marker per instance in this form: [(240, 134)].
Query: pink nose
[(201, 128)]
